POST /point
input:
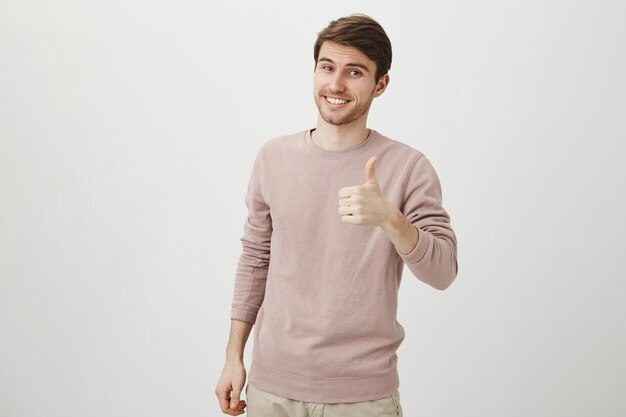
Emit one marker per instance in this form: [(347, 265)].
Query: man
[(341, 208)]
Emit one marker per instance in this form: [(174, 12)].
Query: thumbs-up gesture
[(365, 204)]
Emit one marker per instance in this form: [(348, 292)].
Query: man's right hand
[(229, 388)]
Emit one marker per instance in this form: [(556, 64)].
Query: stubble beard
[(349, 117)]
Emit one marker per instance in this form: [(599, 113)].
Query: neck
[(337, 137)]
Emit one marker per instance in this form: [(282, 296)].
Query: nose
[(337, 83)]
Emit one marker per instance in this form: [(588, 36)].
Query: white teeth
[(335, 100)]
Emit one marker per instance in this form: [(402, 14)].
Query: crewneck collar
[(342, 153)]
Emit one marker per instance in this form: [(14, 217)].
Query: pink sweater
[(325, 305)]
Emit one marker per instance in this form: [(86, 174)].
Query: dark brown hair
[(362, 32)]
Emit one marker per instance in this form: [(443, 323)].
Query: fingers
[(239, 409), (242, 404), (226, 403), (347, 191), (224, 399)]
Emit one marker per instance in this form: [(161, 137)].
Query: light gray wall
[(127, 135)]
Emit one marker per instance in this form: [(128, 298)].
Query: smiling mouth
[(335, 101)]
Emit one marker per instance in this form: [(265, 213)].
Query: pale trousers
[(263, 404)]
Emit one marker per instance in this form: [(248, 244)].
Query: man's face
[(347, 77)]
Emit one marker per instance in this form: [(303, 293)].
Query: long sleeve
[(253, 265), (434, 258)]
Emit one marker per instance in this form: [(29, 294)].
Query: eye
[(355, 72), (326, 67)]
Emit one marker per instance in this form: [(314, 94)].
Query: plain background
[(127, 135)]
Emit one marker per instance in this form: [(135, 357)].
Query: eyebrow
[(363, 67)]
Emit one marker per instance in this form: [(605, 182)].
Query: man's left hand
[(365, 204)]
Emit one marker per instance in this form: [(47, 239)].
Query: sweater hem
[(324, 390)]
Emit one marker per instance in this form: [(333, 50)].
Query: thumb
[(370, 170), (234, 398)]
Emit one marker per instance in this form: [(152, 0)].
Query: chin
[(335, 122)]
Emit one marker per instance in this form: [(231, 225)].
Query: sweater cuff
[(419, 250), (243, 315)]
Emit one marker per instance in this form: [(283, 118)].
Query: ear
[(382, 85)]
